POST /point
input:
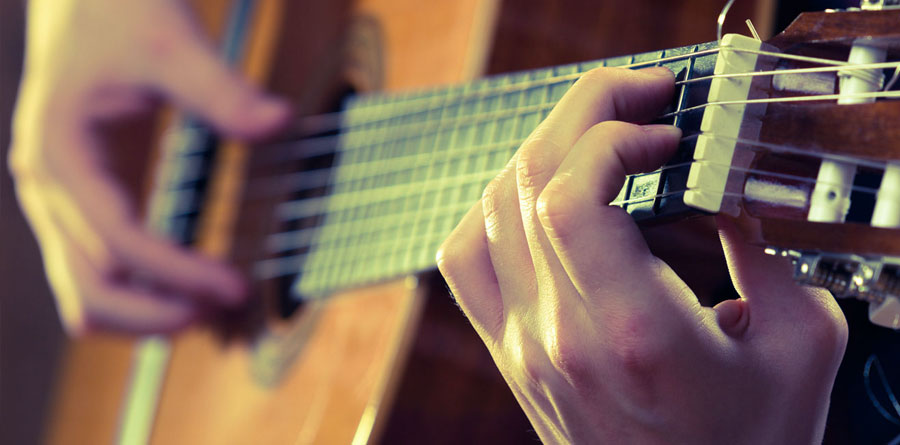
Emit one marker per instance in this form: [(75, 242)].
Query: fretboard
[(410, 165)]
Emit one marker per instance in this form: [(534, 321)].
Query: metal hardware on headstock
[(843, 265), (878, 5), (874, 280)]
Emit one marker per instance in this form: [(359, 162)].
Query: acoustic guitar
[(339, 221)]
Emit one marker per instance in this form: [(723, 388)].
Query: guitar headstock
[(800, 134)]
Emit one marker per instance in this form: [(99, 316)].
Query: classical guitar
[(355, 199)]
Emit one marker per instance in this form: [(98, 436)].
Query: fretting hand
[(600, 341), (90, 62)]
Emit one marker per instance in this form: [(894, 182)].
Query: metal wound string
[(415, 129), (321, 178), (304, 238), (328, 122)]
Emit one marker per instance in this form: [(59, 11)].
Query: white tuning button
[(886, 313), (830, 198)]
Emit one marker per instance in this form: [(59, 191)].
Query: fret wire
[(402, 253), (310, 206), (526, 85), (460, 207), (311, 147), (408, 214), (386, 244), (290, 264), (490, 93), (290, 238), (430, 222), (370, 224), (684, 92), (415, 129), (567, 77)]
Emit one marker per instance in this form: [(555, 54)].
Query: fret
[(404, 177), (290, 240)]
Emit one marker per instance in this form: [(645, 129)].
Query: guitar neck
[(410, 165)]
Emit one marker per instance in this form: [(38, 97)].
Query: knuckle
[(636, 353), (558, 208), (108, 263), (636, 359), (533, 373), (492, 201), (614, 134), (828, 331), (569, 359), (449, 257), (598, 77), (535, 162)]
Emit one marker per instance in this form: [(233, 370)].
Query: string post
[(753, 30)]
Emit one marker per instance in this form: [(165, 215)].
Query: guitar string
[(311, 207), (890, 83), (294, 260), (720, 20), (317, 146), (274, 267), (820, 97), (328, 122), (306, 245), (812, 98), (264, 186), (818, 69), (290, 265), (285, 241)]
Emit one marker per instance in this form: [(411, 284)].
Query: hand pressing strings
[(600, 341)]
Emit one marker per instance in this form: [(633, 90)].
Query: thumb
[(766, 285), (193, 76)]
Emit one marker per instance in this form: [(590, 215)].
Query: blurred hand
[(600, 341), (89, 62)]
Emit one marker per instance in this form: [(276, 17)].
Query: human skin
[(599, 340), (94, 62)]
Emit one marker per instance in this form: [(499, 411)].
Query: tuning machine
[(875, 280)]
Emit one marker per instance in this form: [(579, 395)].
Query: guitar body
[(392, 362)]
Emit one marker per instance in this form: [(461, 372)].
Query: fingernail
[(663, 130), (659, 71)]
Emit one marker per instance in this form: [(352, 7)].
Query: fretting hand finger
[(609, 344)]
